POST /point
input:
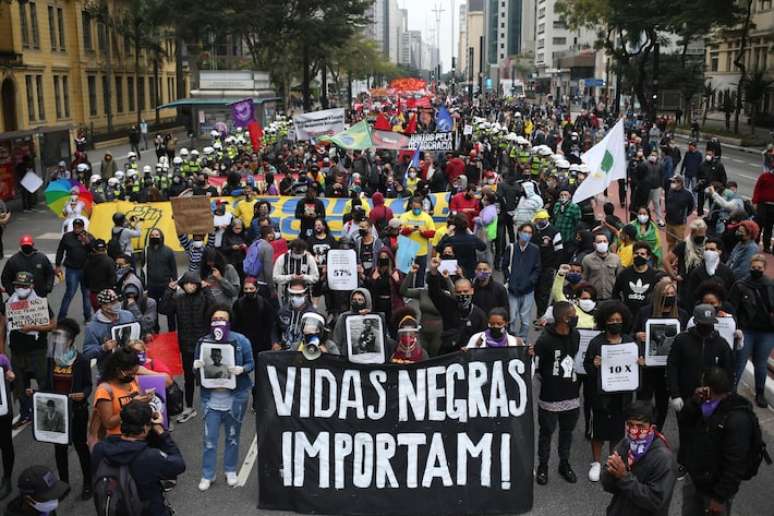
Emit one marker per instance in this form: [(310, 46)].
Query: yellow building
[(54, 70)]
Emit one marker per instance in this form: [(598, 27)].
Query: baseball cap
[(107, 296), (99, 245), (41, 483), (540, 214), (26, 240), (704, 314)]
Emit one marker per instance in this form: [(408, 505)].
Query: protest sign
[(432, 141), (619, 367), (155, 383), (317, 123), (27, 312), (585, 338), (659, 335), (449, 266), (125, 333), (342, 269), (467, 130), (31, 182), (51, 418), (217, 359), (192, 215), (450, 435), (365, 339), (407, 251), (389, 140)]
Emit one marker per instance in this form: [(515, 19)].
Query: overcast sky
[(421, 17)]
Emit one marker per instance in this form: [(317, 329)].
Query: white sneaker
[(186, 415), (231, 478), (594, 471), (204, 484)]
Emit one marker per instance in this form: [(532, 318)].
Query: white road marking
[(49, 236), (18, 430), (247, 465)]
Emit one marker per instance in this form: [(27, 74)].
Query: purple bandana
[(708, 407), (491, 342)]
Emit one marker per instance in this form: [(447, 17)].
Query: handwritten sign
[(342, 269), (619, 368), (449, 266), (28, 312), (192, 215), (585, 338)]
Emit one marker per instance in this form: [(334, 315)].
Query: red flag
[(164, 348), (411, 127), (411, 103), (382, 124), (256, 134)]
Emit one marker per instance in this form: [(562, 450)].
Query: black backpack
[(114, 248), (758, 452), (115, 492)]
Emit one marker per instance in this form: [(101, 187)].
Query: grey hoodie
[(339, 337)]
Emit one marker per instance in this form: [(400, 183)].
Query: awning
[(215, 101)]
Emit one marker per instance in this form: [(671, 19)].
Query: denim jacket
[(243, 356)]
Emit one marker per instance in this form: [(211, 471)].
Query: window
[(25, 28), (101, 37), (127, 46), (151, 92), (34, 24), (502, 25), (559, 41), (86, 21), (66, 96), (502, 46), (130, 92), (170, 89), (541, 28), (106, 94), (559, 25), (729, 61), (41, 97), (30, 97), (542, 12), (60, 27), (57, 98), (714, 60), (119, 94), (52, 26), (141, 93), (92, 84)]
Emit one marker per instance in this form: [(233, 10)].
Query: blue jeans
[(521, 311), (232, 425), (74, 278), (758, 346)]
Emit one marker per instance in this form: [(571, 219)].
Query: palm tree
[(709, 93), (755, 88)]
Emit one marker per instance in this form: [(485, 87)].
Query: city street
[(557, 498)]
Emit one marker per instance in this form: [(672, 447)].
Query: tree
[(755, 89), (744, 37), (708, 94)]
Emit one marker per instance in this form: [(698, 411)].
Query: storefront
[(42, 149)]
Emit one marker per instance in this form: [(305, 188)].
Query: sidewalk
[(685, 135)]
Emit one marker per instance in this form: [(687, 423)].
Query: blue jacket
[(521, 269), (691, 162), (741, 256), (97, 332), (243, 356)]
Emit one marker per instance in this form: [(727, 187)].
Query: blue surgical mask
[(416, 211), (574, 277), (524, 237), (46, 507)]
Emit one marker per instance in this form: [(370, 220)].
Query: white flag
[(606, 160)]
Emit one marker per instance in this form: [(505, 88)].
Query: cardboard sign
[(155, 383), (342, 269), (619, 369), (192, 215), (585, 338), (28, 312), (659, 336)]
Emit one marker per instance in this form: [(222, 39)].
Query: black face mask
[(496, 332), (251, 295), (698, 240), (357, 306), (155, 241), (572, 322), (383, 262), (756, 274), (464, 300), (362, 232), (27, 249), (639, 261), (615, 328), (705, 330), (669, 301)]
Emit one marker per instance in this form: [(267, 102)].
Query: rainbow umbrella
[(58, 195)]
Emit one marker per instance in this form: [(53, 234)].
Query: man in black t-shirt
[(634, 285)]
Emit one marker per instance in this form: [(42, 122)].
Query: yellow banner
[(159, 215)]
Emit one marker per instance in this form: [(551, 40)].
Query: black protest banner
[(432, 142), (452, 435)]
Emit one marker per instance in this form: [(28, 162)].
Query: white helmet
[(82, 167), (177, 160), (165, 166), (119, 175), (214, 133), (584, 169), (95, 178), (131, 172), (194, 153), (563, 164), (208, 151), (113, 181), (217, 145), (574, 168), (517, 114), (544, 150), (184, 152), (147, 169), (131, 155)]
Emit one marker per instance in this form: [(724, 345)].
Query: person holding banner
[(607, 409), (496, 335), (224, 407), (309, 209)]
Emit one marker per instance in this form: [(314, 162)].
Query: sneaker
[(542, 475), (566, 472), (21, 422), (204, 484), (231, 478), (186, 415), (681, 472), (86, 493), (594, 471), (760, 400)]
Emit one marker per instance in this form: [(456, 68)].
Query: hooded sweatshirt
[(528, 205), (147, 465), (161, 266), (385, 290), (380, 214), (190, 310), (340, 331)]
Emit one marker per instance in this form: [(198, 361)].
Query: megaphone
[(311, 349)]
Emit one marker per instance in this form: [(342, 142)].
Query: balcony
[(10, 59)]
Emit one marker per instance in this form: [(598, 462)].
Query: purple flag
[(242, 112)]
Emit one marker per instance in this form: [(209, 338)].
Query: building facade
[(385, 27), (60, 68), (509, 30)]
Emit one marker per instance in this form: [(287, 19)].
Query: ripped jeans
[(231, 420)]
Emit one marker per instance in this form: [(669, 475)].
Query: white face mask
[(297, 301), (708, 158), (711, 261), (601, 247), (587, 305), (46, 507), (643, 219), (23, 293), (197, 244)]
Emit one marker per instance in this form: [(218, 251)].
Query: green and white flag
[(606, 161)]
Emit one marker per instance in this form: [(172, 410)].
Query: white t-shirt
[(479, 341)]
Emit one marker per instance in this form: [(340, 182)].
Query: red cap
[(26, 240)]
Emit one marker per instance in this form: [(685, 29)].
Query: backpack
[(758, 452), (115, 492), (174, 400), (252, 264), (114, 248)]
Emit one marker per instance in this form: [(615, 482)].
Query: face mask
[(297, 301), (383, 262), (643, 219), (640, 440), (652, 159), (543, 224), (416, 211), (496, 332), (739, 233), (708, 157), (121, 271), (574, 277), (669, 301), (464, 300), (615, 328), (197, 244), (412, 175), (358, 305), (126, 378), (524, 237), (482, 276), (23, 293), (639, 261), (46, 507), (572, 322), (756, 274), (708, 407), (27, 249), (155, 241), (362, 232), (564, 200), (220, 330), (251, 295), (698, 240), (705, 330), (711, 261), (587, 305), (407, 341), (601, 247)]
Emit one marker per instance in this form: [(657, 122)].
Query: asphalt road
[(557, 498)]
